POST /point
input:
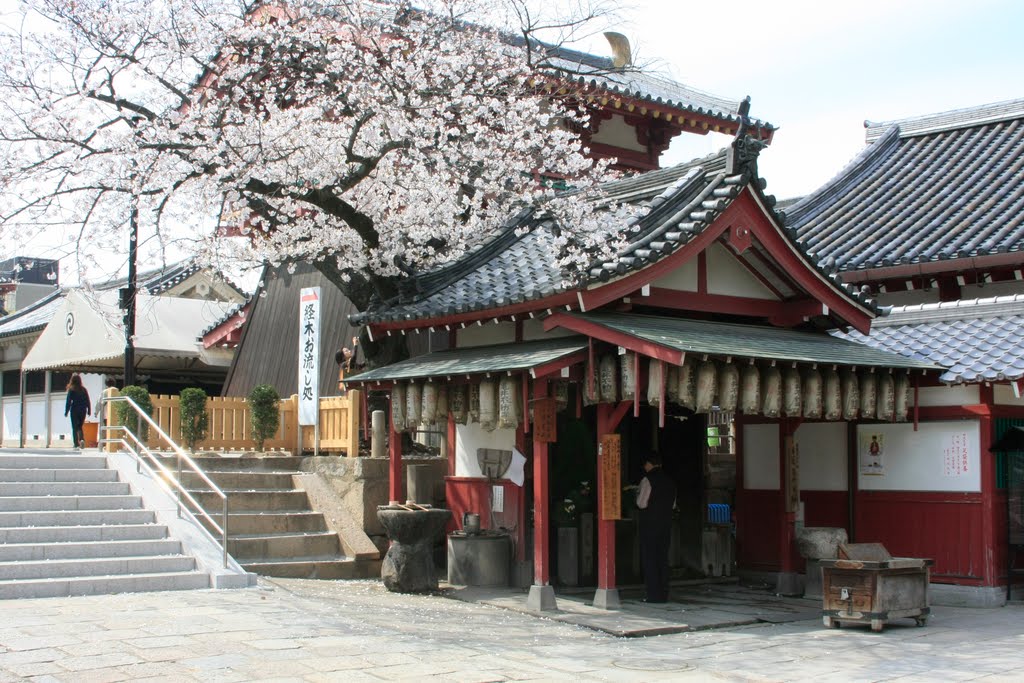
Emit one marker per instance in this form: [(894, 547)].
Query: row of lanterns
[(699, 386), (772, 391)]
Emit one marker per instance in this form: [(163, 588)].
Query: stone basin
[(820, 542), (408, 566)]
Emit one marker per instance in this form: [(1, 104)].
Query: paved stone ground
[(299, 630)]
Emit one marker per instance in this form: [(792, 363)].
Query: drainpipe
[(48, 421), (21, 432)]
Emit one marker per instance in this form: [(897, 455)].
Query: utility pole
[(128, 294)]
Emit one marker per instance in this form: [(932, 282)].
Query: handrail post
[(180, 484), (224, 530)]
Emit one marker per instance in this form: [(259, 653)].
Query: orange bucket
[(90, 432)]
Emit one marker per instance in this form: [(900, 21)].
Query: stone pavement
[(304, 630)]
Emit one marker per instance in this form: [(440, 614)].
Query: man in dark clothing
[(656, 498)]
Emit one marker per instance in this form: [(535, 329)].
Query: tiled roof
[(750, 341), (32, 318), (476, 360), (977, 340), (515, 268), (933, 188)]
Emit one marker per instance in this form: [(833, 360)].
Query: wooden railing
[(230, 427)]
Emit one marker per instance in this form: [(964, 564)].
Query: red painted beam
[(555, 366), (602, 333), (396, 482)]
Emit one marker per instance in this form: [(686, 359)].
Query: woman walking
[(78, 406)]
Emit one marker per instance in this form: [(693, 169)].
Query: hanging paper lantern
[(398, 407), (458, 403), (655, 372), (707, 385), (627, 375), (428, 414), (608, 372), (488, 397), (832, 396), (750, 390), (771, 391), (851, 395), (868, 395), (792, 393), (474, 402), (812, 394), (561, 394), (687, 385), (672, 383), (442, 403), (508, 403), (886, 400), (902, 400), (728, 386), (413, 404)]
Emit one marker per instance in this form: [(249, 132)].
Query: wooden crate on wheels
[(866, 585)]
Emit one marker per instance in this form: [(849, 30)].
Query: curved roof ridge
[(804, 210), (986, 307), (948, 120)]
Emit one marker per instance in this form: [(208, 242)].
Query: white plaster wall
[(1002, 394), (683, 278), (470, 437), (35, 419), (761, 457), (616, 132), (12, 419), (60, 426), (916, 461), (485, 334), (533, 329), (822, 451), (728, 276), (957, 395)]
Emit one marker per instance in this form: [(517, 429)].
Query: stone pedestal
[(541, 599), (408, 566), (816, 543)]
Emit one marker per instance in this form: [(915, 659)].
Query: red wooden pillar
[(542, 594), (607, 594), (788, 581), (992, 567), (396, 483)]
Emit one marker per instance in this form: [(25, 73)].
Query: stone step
[(68, 503), (76, 488), (240, 481), (106, 566), (295, 546), (75, 518), (254, 501), (317, 569), (64, 475), (249, 523), (269, 463), (53, 462), (83, 534), (36, 552), (102, 585)]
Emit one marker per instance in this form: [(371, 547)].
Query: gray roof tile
[(927, 189), (958, 335)]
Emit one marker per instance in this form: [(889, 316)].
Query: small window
[(35, 382), (12, 382)]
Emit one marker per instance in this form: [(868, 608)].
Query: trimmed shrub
[(264, 413), (128, 417), (194, 420)]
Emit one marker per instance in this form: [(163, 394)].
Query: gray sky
[(819, 69)]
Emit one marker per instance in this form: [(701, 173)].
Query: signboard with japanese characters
[(611, 476), (939, 456), (309, 355)]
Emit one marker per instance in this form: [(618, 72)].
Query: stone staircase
[(68, 526), (272, 529)]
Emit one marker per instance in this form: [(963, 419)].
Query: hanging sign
[(544, 422), (309, 355), (610, 457)]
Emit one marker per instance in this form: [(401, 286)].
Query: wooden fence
[(230, 427)]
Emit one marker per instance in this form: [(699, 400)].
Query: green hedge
[(194, 420), (264, 413), (128, 417)]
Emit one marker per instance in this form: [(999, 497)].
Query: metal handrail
[(182, 457)]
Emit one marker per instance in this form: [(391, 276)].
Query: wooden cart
[(868, 586)]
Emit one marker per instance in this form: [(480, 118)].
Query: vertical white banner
[(309, 355)]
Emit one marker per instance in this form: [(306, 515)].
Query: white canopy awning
[(87, 333)]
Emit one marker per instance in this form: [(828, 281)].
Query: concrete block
[(50, 488)]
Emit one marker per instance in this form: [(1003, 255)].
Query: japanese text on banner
[(309, 355)]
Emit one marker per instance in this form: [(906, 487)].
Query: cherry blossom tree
[(373, 139)]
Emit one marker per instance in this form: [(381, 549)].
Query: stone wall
[(361, 484)]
